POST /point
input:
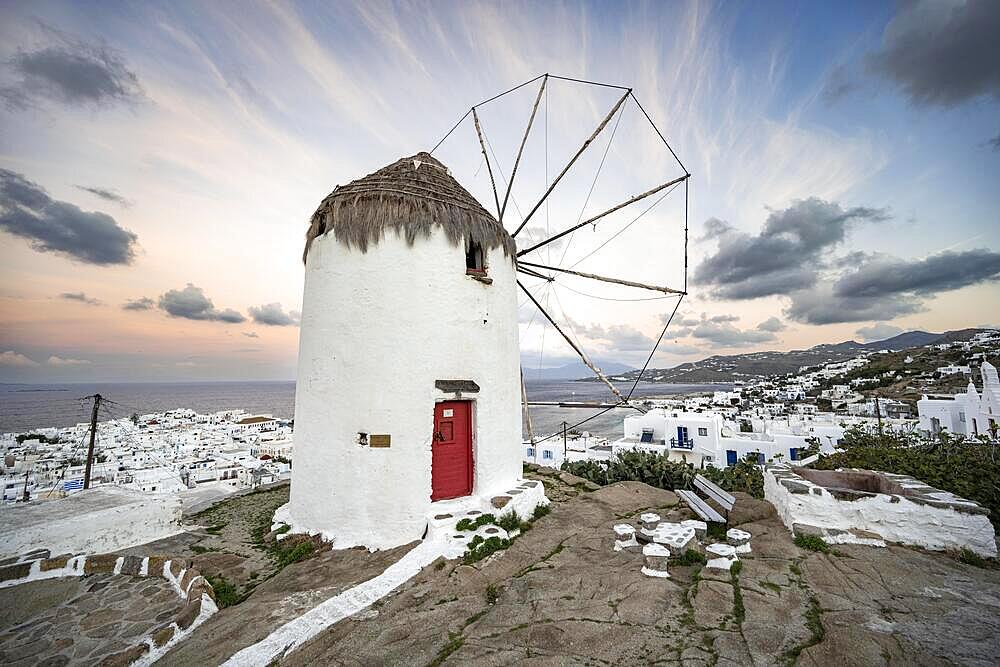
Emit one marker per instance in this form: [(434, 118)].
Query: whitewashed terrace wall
[(894, 517), (99, 520)]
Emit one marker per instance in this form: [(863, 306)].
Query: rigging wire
[(597, 175), (620, 231), (653, 351), (500, 171)]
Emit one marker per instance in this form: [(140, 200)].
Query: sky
[(159, 163)]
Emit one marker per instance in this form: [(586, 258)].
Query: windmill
[(533, 270)]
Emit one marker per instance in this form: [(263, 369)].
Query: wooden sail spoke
[(629, 283), (517, 161), (573, 160), (482, 144), (611, 210), (534, 274), (586, 360)]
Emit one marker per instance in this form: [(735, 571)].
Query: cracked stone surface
[(81, 620), (566, 597)]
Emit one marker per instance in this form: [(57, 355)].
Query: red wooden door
[(451, 450)]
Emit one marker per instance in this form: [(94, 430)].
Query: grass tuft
[(812, 543), (691, 557)]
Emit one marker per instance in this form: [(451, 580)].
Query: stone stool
[(739, 539), (626, 536), (647, 526), (724, 556), (655, 559)]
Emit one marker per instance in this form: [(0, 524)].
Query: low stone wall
[(79, 523), (919, 515), (186, 581)]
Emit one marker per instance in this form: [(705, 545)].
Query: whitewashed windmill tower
[(408, 385)]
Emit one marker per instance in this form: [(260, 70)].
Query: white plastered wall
[(899, 520), (378, 328)]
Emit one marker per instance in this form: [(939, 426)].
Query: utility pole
[(26, 473), (565, 451), (878, 415), (93, 435)]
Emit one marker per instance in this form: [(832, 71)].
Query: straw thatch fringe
[(409, 197)]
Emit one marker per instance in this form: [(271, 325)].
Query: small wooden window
[(475, 262)]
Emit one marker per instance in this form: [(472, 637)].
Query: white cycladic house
[(706, 439), (408, 375), (972, 413)]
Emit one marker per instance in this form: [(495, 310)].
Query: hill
[(726, 368)]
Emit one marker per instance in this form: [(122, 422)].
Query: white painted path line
[(297, 631)]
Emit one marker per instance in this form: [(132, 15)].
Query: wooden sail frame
[(542, 271)]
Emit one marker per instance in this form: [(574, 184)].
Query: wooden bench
[(700, 507), (722, 498)]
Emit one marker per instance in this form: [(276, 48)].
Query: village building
[(408, 388), (971, 413)]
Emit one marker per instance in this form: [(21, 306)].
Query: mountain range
[(726, 368)]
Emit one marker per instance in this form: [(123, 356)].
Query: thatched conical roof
[(410, 196)]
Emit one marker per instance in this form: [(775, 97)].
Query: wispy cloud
[(106, 194), (81, 297)]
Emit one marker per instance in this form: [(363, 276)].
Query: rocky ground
[(560, 594)]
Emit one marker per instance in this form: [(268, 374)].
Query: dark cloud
[(785, 255), (942, 53), (772, 324), (713, 229), (142, 303), (106, 194), (878, 331), (725, 334), (27, 210), (272, 314), (71, 73), (81, 297), (820, 305), (994, 143), (882, 276), (191, 303)]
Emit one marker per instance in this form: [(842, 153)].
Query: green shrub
[(480, 548), (691, 557), (493, 594), (540, 511), (812, 543), (659, 471), (294, 554), (716, 530), (509, 522), (226, 594), (970, 557), (481, 520)]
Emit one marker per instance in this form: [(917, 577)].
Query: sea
[(29, 406)]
